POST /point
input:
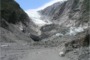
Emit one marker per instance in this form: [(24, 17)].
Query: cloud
[(47, 4)]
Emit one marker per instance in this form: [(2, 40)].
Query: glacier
[(36, 18)]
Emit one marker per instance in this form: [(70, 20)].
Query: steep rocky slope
[(72, 22), (68, 15), (68, 10), (67, 19), (53, 9), (15, 25), (69, 31)]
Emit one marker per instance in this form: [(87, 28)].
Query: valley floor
[(14, 51), (44, 54)]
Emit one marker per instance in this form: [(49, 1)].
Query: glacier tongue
[(75, 30), (36, 18)]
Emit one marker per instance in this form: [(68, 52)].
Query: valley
[(60, 31)]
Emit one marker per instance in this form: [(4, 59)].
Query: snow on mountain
[(49, 4), (36, 18), (76, 30)]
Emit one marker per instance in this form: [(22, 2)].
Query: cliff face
[(72, 25), (15, 25), (68, 12), (53, 10), (12, 12)]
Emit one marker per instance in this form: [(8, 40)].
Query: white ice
[(59, 34), (36, 18), (75, 30)]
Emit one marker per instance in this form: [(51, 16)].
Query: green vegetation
[(11, 12), (85, 10), (75, 4), (87, 5)]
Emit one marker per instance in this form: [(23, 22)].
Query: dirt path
[(44, 54), (19, 52)]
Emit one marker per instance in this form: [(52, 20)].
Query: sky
[(35, 4), (32, 4)]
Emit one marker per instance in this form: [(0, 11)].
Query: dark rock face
[(13, 22), (50, 9), (35, 38), (48, 30), (78, 47), (82, 40), (71, 10), (54, 10), (12, 12), (47, 27)]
